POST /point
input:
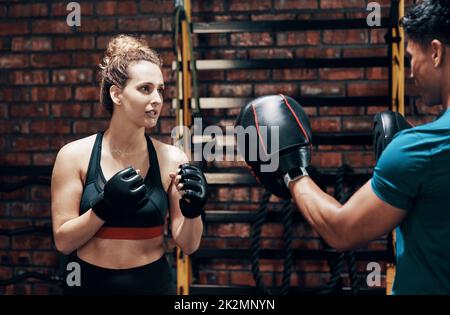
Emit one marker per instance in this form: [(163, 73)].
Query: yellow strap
[(397, 104), (184, 119)]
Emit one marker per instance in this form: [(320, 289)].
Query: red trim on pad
[(295, 116), (255, 117)]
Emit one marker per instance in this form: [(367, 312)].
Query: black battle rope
[(255, 241), (336, 269), (354, 280), (286, 212), (287, 250), (342, 197), (336, 264)]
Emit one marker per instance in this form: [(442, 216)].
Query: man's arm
[(363, 218)]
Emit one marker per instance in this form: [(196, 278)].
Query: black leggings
[(154, 278)]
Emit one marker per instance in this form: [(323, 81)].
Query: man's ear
[(438, 51), (116, 94)]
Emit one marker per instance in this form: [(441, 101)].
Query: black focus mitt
[(275, 139), (386, 125)]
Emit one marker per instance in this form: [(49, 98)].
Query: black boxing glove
[(123, 194), (194, 191)]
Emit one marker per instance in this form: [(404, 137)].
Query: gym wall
[(49, 95)]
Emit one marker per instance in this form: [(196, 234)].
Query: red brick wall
[(49, 96)]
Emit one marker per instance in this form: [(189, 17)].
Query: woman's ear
[(116, 94)]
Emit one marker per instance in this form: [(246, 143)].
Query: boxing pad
[(386, 125), (274, 139)]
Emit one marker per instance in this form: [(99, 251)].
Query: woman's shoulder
[(78, 149), (169, 153), (73, 157)]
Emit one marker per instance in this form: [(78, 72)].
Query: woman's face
[(142, 97)]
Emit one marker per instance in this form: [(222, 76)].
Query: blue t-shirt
[(413, 174)]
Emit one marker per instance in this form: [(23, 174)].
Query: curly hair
[(428, 20), (122, 51)]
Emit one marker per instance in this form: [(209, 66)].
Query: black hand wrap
[(194, 190), (123, 194)]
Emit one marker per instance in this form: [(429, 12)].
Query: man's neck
[(446, 81)]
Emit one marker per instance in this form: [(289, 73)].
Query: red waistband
[(132, 233)]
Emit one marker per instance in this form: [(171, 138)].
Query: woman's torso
[(124, 253)]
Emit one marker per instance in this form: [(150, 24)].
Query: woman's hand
[(192, 186)]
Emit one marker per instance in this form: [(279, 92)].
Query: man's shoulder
[(412, 138), (407, 151)]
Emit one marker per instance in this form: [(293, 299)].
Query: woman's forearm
[(76, 232), (189, 234)]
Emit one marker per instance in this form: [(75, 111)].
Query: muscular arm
[(70, 230), (187, 233), (363, 218)]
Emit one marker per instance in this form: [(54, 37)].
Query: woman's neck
[(123, 139)]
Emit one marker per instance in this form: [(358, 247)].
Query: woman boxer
[(106, 215)]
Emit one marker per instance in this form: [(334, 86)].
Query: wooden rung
[(220, 290), (322, 138), (305, 63), (230, 179), (238, 102), (281, 26), (243, 177), (229, 216), (221, 141), (309, 254), (218, 102)]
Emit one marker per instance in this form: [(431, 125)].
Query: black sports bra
[(147, 222)]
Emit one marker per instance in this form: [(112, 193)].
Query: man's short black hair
[(428, 20)]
